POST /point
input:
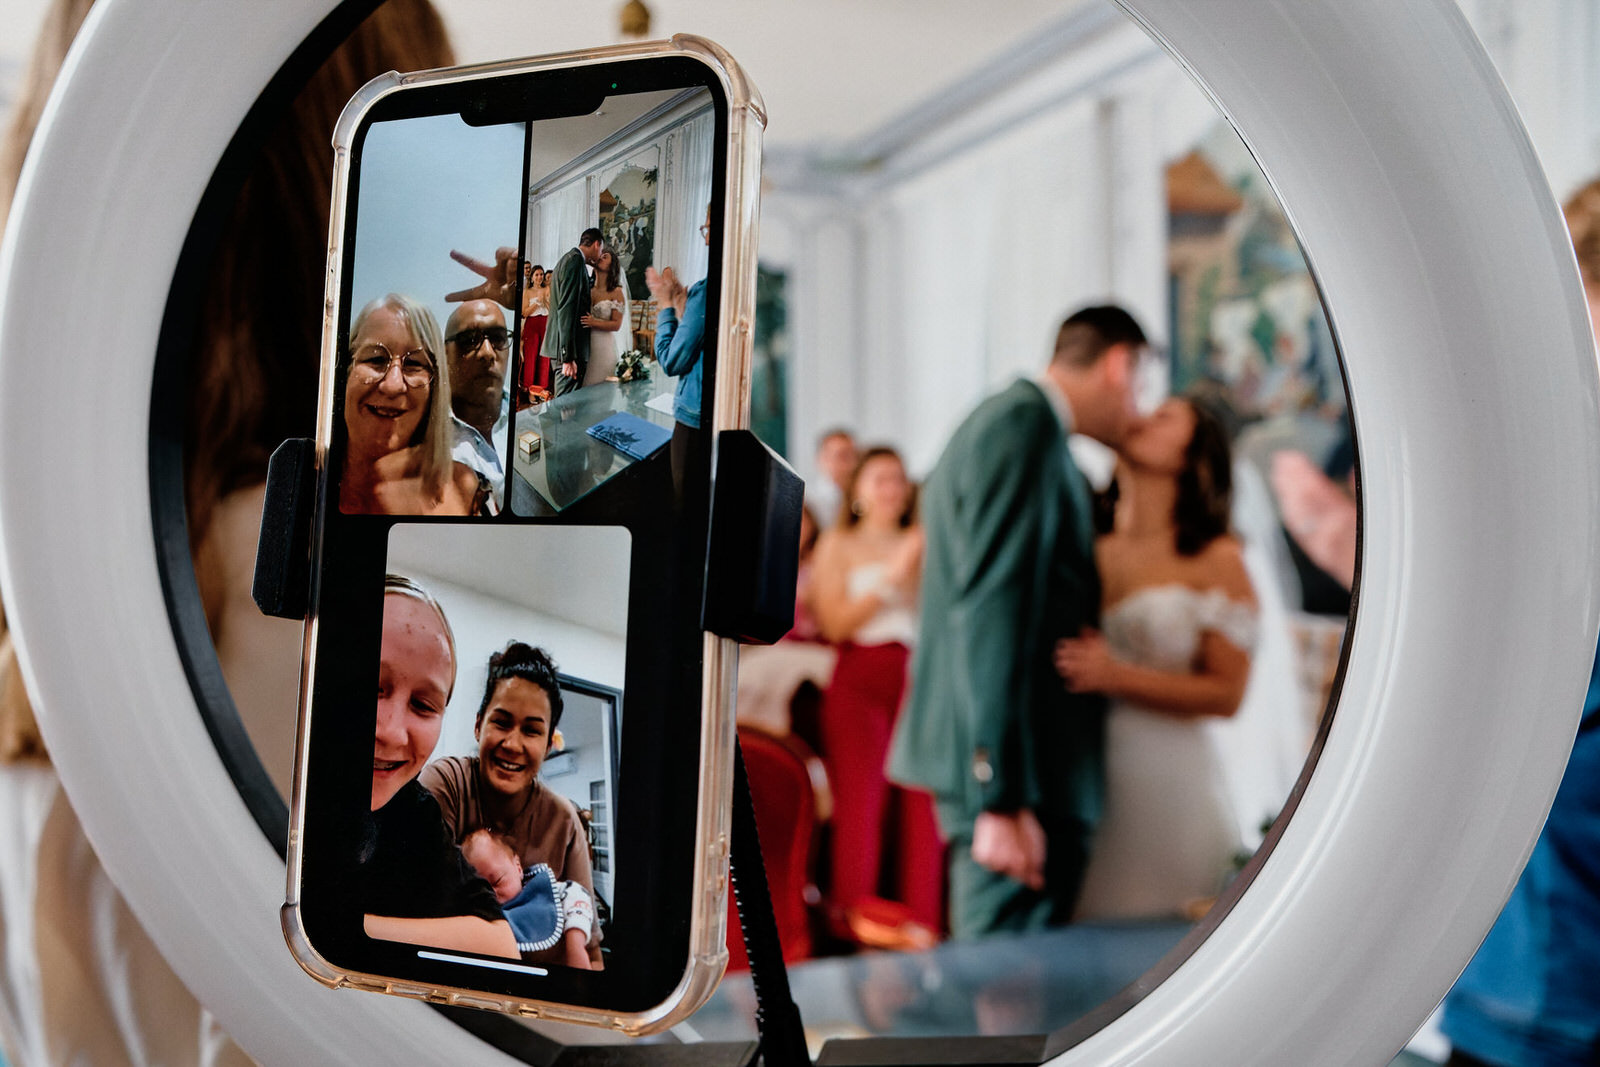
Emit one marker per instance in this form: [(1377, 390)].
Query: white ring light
[(1474, 388)]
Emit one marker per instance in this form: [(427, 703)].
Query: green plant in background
[(769, 377)]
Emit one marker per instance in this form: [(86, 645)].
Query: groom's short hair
[(1086, 334), (591, 236)]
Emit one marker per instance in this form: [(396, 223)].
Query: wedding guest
[(1531, 996), (805, 616), (680, 350), (836, 459), (1318, 513), (865, 579), (536, 373)]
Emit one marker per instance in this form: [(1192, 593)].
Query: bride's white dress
[(602, 344), (1169, 833)]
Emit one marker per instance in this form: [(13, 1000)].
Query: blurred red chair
[(790, 791)]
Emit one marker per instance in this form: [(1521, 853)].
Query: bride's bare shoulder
[(1221, 564)]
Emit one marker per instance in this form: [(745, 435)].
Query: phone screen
[(512, 535)]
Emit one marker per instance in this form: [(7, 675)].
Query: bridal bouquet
[(630, 366)]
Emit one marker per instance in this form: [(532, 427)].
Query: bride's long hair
[(1205, 484), (613, 272)]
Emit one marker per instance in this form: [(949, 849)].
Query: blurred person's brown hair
[(1582, 211), (1204, 507), (258, 342), (61, 22), (1088, 332), (848, 516), (257, 348), (19, 733)]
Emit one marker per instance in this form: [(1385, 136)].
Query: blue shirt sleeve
[(678, 342)]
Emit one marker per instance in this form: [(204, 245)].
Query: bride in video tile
[(608, 313)]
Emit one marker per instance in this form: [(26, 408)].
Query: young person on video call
[(499, 788), (410, 878), (541, 909)]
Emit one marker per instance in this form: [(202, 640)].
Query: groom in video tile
[(566, 339)]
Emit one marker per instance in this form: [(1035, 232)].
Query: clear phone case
[(708, 954)]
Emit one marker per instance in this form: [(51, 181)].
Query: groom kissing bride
[(566, 339)]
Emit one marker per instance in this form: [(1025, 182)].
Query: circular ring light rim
[(1347, 915)]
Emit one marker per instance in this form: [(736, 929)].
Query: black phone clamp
[(753, 551), (752, 564), (282, 583)]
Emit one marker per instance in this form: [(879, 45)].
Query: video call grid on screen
[(495, 584), (639, 169)]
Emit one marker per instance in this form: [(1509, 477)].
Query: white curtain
[(556, 218), (937, 277), (682, 201)]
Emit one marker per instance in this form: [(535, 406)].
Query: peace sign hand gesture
[(499, 279)]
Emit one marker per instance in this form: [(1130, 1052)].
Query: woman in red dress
[(535, 318), (885, 842)]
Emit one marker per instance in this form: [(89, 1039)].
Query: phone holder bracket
[(282, 584), (752, 553)]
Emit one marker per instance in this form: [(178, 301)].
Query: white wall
[(934, 274), (923, 285), (483, 625)]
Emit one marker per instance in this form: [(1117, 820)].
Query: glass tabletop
[(999, 985), (569, 462)]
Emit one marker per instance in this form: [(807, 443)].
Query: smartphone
[(513, 778)]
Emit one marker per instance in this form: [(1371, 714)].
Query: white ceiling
[(830, 71)]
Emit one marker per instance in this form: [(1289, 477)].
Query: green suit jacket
[(566, 340), (1009, 569)]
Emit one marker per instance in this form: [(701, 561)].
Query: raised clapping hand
[(665, 289), (499, 278), (1085, 663), (1319, 515), (1010, 843)]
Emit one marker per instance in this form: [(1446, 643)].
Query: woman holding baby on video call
[(397, 418), (499, 788), (411, 880)]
